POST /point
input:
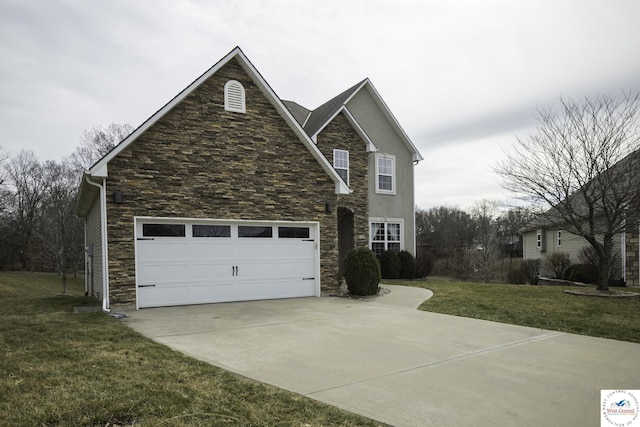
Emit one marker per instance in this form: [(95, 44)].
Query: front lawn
[(60, 368), (545, 307)]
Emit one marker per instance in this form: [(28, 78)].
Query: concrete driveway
[(386, 360)]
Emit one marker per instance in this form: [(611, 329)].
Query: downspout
[(105, 251), (86, 261)]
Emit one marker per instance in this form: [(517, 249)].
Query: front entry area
[(182, 262)]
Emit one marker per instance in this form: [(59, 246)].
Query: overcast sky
[(463, 78)]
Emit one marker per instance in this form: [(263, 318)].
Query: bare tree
[(448, 232), (28, 187), (97, 142), (60, 228), (583, 164), (487, 248), (4, 192)]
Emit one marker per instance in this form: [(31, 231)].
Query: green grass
[(59, 368), (545, 307)]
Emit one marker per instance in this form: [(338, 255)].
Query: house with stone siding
[(228, 193)]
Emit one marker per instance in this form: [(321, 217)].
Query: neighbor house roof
[(611, 189)]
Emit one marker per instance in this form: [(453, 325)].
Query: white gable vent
[(234, 96)]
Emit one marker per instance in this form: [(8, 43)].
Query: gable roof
[(100, 168), (319, 118)]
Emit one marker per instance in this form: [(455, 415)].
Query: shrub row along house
[(229, 193)]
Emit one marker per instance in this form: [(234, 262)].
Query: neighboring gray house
[(228, 193), (540, 240)]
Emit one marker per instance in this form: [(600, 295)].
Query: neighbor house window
[(386, 236), (234, 99), (341, 164), (540, 240), (385, 174), (559, 238)]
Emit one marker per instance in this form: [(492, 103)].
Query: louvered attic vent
[(234, 99)]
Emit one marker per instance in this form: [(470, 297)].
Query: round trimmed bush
[(407, 265), (362, 272), (390, 265)]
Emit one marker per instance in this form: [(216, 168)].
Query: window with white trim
[(559, 238), (234, 98), (341, 164), (386, 236), (385, 174)]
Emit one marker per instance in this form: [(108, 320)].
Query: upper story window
[(540, 240), (559, 238), (341, 164), (234, 99), (385, 174)]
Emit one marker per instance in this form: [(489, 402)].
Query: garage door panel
[(200, 251), (222, 250), (194, 270), (175, 251), (200, 272), (201, 292)]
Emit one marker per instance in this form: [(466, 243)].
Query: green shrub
[(390, 265), (558, 262), (362, 272), (424, 264), (531, 270), (584, 273), (516, 276), (407, 265)]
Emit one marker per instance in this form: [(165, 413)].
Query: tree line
[(39, 230), (481, 243)]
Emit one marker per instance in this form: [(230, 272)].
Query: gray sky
[(463, 78)]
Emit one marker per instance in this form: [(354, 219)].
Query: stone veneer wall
[(339, 134), (200, 161)]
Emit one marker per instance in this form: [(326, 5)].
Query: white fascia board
[(385, 110)]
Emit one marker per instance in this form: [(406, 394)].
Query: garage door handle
[(234, 270), (145, 238), (146, 286), (308, 278)]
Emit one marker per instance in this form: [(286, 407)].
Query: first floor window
[(385, 236), (559, 238)]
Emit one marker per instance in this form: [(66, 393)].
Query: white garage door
[(198, 262)]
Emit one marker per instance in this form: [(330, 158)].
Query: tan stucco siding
[(401, 204)]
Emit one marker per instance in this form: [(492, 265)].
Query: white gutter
[(105, 250)]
